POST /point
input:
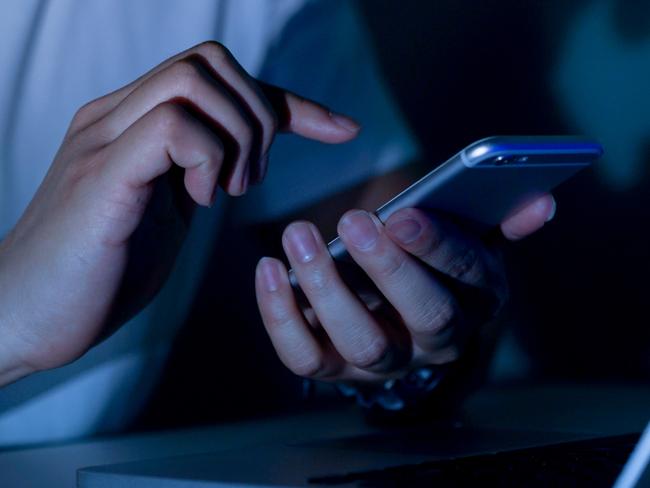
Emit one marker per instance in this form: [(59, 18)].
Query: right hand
[(102, 232)]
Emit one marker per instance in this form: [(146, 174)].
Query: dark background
[(462, 70)]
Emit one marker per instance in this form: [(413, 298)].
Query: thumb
[(309, 119)]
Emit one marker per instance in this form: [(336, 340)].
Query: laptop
[(441, 457)]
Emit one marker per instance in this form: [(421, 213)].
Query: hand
[(433, 284), (102, 232)]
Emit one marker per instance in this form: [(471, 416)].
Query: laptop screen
[(636, 473)]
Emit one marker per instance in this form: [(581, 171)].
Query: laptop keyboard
[(593, 463)]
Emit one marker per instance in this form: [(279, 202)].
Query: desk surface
[(584, 408)]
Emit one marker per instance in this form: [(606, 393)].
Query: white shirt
[(59, 54)]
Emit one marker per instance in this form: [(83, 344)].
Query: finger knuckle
[(244, 136), (84, 113), (297, 356), (371, 354), (318, 281), (311, 366), (278, 316), (392, 267), (435, 316), (212, 152), (213, 51), (466, 266), (168, 117), (186, 74), (215, 153), (81, 168), (79, 140)]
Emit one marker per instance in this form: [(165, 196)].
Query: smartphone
[(490, 179)]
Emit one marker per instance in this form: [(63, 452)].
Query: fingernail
[(406, 231), (269, 274), (301, 242), (360, 230), (551, 214), (345, 122)]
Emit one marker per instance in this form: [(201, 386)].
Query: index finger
[(295, 114), (307, 118)]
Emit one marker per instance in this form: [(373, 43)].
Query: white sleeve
[(324, 53)]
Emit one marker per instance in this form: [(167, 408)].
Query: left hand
[(432, 281)]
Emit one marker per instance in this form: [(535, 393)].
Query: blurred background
[(463, 70)]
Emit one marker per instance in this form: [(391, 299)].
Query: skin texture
[(431, 286), (103, 230)]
